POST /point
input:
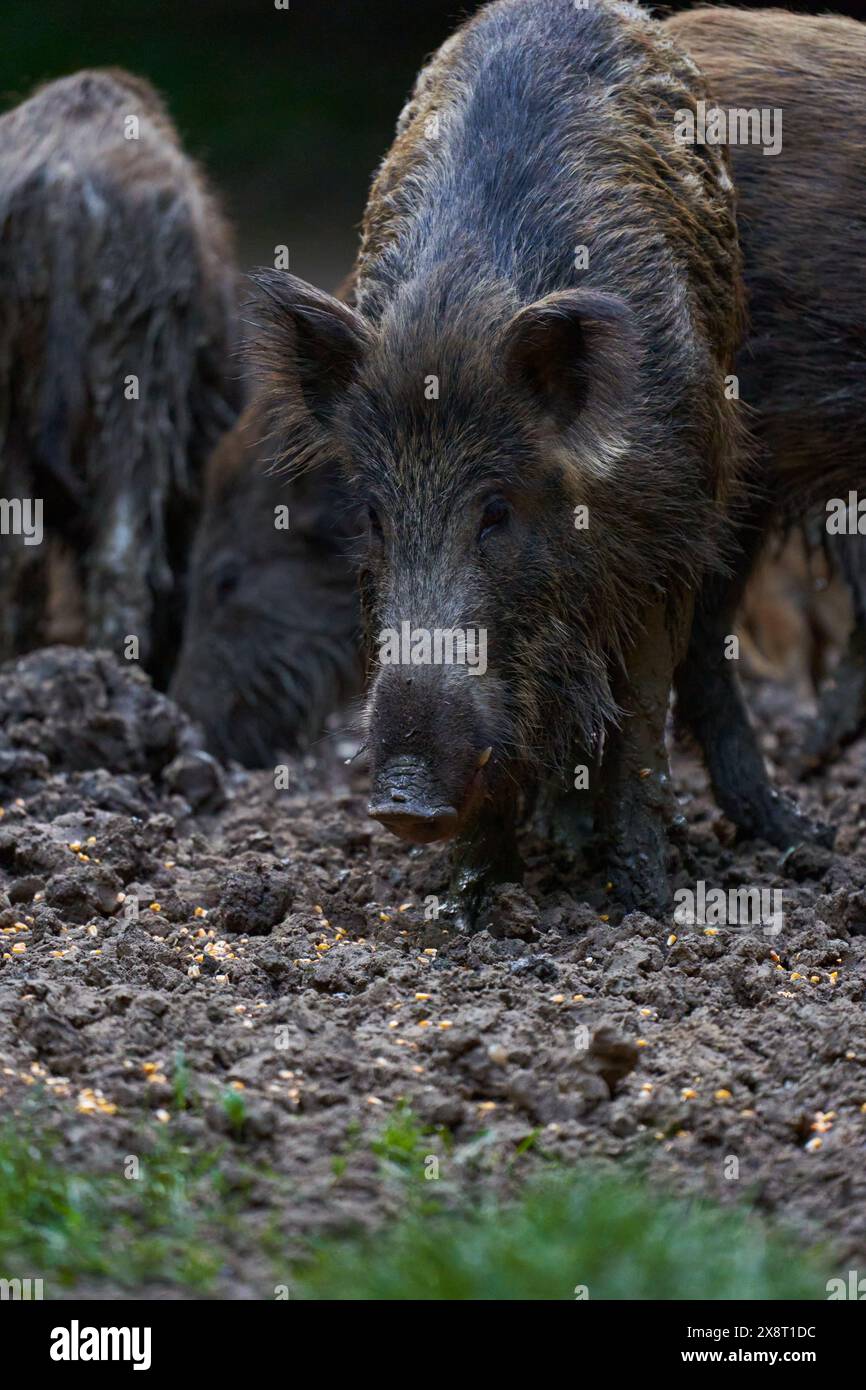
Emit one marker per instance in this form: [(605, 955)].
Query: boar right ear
[(575, 354), (308, 345)]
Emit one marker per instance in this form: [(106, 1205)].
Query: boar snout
[(408, 800), (428, 753)]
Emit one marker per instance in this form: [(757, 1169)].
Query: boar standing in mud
[(272, 637), (529, 403), (116, 378), (802, 220)]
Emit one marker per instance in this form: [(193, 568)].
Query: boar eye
[(226, 581), (374, 522), (496, 513)]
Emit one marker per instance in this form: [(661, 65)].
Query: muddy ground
[(281, 944)]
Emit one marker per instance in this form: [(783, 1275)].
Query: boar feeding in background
[(117, 376), (272, 638)]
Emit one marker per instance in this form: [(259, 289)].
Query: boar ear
[(574, 351), (307, 347)]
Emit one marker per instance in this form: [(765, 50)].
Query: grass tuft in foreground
[(61, 1226), (568, 1234)]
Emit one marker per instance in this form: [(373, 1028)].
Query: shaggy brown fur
[(802, 218), (114, 262)]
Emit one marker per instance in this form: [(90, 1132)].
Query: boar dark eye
[(373, 522), (226, 580), (495, 515)]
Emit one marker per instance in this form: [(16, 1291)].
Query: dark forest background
[(290, 111)]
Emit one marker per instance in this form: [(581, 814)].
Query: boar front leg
[(484, 856), (118, 596), (22, 567), (565, 814), (636, 806), (11, 565)]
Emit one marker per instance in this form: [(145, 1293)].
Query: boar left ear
[(308, 345), (573, 351)]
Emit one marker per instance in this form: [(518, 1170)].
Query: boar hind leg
[(636, 807), (842, 708), (711, 708)]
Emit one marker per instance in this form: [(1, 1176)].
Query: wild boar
[(529, 404), (117, 328), (802, 219), (272, 637)]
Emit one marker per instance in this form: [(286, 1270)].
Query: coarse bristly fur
[(803, 234), (115, 261), (538, 128)]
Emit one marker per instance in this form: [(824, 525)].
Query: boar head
[(457, 425)]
